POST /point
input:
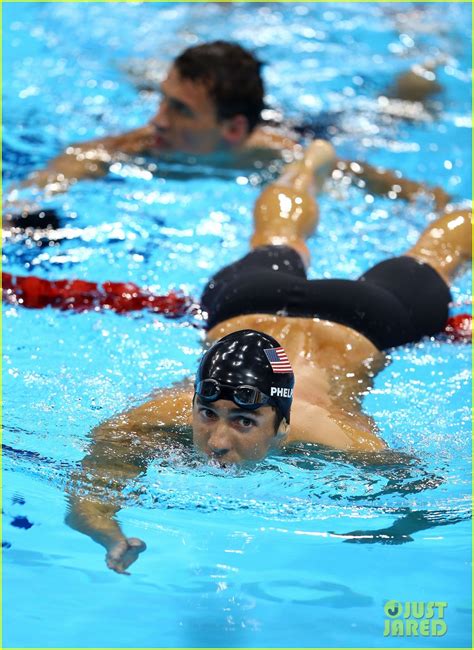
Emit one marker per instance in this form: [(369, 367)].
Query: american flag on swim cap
[(278, 360)]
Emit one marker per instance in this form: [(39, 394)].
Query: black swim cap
[(251, 358)]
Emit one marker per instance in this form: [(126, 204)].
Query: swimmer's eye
[(180, 108), (206, 413), (242, 421), (246, 423), (175, 105)]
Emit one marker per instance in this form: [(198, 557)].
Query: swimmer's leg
[(446, 243), (286, 212)]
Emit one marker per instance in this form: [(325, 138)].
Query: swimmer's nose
[(218, 450), (161, 119), (219, 443), (218, 453)]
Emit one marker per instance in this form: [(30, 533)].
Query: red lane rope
[(459, 328), (78, 295), (122, 297)]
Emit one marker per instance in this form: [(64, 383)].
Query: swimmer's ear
[(283, 430), (235, 129)]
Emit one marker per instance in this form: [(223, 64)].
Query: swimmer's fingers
[(124, 553)]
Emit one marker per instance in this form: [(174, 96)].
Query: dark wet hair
[(232, 75)]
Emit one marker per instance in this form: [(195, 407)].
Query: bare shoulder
[(169, 409), (138, 141), (266, 137)]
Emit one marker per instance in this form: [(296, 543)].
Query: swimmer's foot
[(418, 83), (446, 243), (312, 170)]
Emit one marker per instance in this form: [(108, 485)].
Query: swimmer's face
[(187, 119), (229, 434)]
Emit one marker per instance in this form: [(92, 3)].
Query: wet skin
[(334, 366), (187, 119), (229, 434)]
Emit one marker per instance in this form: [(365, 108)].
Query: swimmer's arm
[(120, 451), (169, 411), (115, 458), (94, 492), (385, 181), (363, 438), (88, 160)]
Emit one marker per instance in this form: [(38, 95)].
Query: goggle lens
[(208, 390), (246, 396), (249, 396)]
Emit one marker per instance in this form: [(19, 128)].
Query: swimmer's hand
[(122, 554)]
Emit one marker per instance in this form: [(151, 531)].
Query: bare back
[(333, 365)]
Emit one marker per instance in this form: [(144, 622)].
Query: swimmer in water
[(212, 101), (290, 358)]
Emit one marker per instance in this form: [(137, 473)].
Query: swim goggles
[(249, 397)]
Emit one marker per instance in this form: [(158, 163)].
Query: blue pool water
[(304, 549)]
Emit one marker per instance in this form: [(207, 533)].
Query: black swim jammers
[(396, 302)]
